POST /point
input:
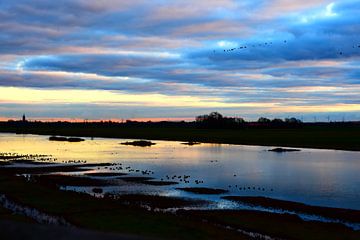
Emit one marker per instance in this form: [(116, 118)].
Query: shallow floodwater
[(318, 177)]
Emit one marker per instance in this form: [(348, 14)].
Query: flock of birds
[(27, 157), (180, 178), (129, 169), (75, 161), (249, 188), (354, 46), (267, 44), (264, 44)]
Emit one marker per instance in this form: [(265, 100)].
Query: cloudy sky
[(114, 59)]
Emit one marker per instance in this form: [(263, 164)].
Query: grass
[(326, 137), (66, 180), (277, 225), (162, 202), (106, 214), (112, 215), (104, 174), (147, 181), (135, 179), (159, 183), (6, 214), (203, 190), (336, 213)]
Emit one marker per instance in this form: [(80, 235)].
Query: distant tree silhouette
[(263, 120), (277, 121), (215, 116), (212, 117), (216, 120), (293, 120)]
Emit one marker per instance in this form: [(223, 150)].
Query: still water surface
[(318, 177)]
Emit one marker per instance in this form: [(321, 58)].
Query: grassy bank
[(334, 213), (123, 214), (308, 136), (104, 214)]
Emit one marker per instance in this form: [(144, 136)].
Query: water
[(317, 177)]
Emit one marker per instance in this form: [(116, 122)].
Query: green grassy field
[(326, 137)]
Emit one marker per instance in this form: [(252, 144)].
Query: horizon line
[(119, 120), (144, 120)]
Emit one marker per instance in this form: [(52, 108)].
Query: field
[(327, 136)]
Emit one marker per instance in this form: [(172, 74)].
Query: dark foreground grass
[(48, 169), (15, 230), (106, 214), (147, 181), (327, 137), (104, 174), (203, 190), (160, 202), (66, 180), (335, 213), (111, 215), (283, 226), (6, 214)]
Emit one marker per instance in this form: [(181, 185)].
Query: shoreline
[(185, 183), (147, 215)]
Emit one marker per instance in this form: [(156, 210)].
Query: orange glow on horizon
[(80, 120)]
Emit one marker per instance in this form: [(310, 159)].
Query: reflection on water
[(318, 177)]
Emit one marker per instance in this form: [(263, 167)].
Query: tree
[(216, 120), (215, 116), (264, 120), (292, 120), (277, 120), (212, 117), (202, 118)]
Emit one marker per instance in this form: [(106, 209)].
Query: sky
[(140, 59)]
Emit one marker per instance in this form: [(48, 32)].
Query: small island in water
[(66, 139), (139, 143), (281, 150)]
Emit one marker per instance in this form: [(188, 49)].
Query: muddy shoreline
[(38, 187)]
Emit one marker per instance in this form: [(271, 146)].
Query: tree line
[(217, 120)]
